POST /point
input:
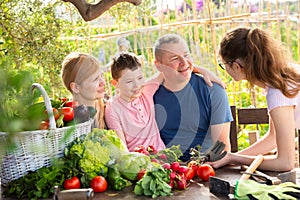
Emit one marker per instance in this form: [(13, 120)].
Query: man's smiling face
[(176, 61)]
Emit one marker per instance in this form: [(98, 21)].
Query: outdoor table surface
[(197, 189)]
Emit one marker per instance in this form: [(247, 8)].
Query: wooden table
[(197, 189)]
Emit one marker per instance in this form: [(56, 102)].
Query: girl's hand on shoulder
[(209, 76)]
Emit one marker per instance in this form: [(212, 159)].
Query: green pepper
[(115, 180)]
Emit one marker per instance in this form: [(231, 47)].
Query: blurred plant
[(29, 32)]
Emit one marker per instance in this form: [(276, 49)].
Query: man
[(188, 112)]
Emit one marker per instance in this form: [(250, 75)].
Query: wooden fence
[(202, 26)]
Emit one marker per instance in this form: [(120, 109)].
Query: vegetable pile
[(100, 160)]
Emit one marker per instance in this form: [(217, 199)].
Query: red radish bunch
[(180, 175)]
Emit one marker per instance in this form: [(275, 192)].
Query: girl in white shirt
[(252, 54)]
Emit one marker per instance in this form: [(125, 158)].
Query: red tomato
[(194, 164), (63, 99), (68, 113), (55, 113), (44, 125), (141, 174), (205, 171), (72, 183), (99, 184), (189, 174), (71, 104), (139, 149)]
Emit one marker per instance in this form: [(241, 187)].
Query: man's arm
[(221, 116), (221, 132)]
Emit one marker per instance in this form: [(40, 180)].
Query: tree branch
[(90, 12)]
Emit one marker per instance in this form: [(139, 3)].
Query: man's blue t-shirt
[(184, 117)]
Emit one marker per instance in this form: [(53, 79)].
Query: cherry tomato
[(68, 113), (141, 174), (99, 184), (44, 125), (63, 99), (189, 174), (139, 149), (205, 171), (71, 104), (194, 164), (55, 114), (72, 183)]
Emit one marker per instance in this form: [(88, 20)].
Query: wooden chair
[(243, 116), (233, 131), (253, 116)]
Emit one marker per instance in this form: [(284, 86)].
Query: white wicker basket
[(36, 149)]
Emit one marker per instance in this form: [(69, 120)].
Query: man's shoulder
[(199, 78)]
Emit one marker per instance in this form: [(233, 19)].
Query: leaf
[(146, 181), (138, 190), (40, 184), (153, 185), (148, 192)]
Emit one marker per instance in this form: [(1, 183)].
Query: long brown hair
[(266, 60), (77, 67)]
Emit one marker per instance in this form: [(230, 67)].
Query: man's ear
[(158, 65), (74, 87), (114, 82)]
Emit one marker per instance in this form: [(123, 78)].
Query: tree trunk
[(91, 11)]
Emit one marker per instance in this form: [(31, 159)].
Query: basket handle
[(52, 123)]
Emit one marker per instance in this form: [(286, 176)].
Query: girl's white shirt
[(275, 98)]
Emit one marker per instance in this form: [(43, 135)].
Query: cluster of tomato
[(98, 183), (63, 114), (203, 171)]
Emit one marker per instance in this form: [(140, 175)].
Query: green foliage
[(15, 93), (154, 183), (30, 42), (39, 184)]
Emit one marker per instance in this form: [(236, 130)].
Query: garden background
[(35, 36)]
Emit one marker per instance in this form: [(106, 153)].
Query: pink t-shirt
[(136, 119)]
